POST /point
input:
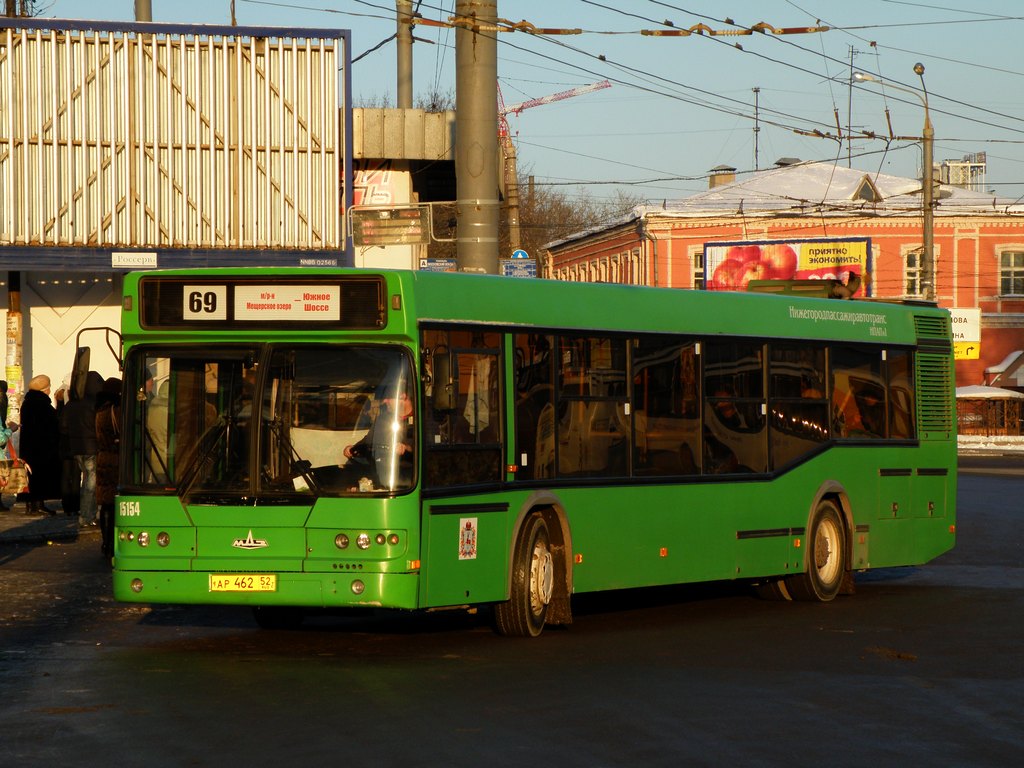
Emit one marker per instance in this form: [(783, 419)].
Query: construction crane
[(508, 150)]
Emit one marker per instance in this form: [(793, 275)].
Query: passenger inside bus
[(859, 411)]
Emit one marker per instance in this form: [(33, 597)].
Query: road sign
[(966, 350), (439, 265), (966, 322), (518, 267)]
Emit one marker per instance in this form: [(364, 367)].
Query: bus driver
[(389, 443)]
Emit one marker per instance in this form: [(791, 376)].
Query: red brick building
[(978, 242)]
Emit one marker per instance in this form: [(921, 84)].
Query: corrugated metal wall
[(169, 140)]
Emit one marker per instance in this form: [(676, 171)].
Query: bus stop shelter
[(984, 410)]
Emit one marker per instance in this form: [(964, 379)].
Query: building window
[(1011, 273), (912, 272), (697, 259)]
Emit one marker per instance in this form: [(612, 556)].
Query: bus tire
[(825, 564), (277, 616), (533, 579), (772, 589)]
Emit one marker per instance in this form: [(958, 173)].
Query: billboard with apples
[(730, 266)]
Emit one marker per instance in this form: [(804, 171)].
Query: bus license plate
[(243, 582)]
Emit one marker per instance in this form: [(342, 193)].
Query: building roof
[(825, 188), (979, 392), (813, 188)]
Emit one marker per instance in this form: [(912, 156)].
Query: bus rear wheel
[(826, 557), (533, 580)]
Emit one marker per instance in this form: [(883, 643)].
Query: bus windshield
[(270, 421)]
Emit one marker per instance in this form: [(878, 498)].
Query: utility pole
[(849, 115), (928, 236), (403, 14), (476, 130), (849, 112), (143, 10), (757, 126), (927, 179)]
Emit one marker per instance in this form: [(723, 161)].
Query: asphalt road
[(923, 666)]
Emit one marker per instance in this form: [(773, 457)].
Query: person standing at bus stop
[(108, 442), (40, 436), (6, 433), (78, 426)]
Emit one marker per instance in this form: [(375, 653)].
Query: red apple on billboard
[(744, 253), (781, 260), (754, 270), (727, 275)]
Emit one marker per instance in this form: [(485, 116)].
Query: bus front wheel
[(826, 557), (533, 579)]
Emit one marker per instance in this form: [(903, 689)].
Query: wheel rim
[(542, 577), (827, 561)]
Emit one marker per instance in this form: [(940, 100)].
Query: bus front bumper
[(314, 590)]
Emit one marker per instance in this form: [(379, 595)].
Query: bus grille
[(934, 392), (934, 374), (932, 327)]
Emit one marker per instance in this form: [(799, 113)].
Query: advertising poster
[(731, 266)]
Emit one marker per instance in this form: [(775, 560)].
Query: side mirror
[(444, 395)]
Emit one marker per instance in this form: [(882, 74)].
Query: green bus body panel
[(451, 579), (898, 499)]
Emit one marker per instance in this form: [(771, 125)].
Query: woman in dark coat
[(40, 437), (108, 438)]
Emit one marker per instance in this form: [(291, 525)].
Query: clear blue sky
[(680, 106)]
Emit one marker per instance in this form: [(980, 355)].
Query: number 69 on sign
[(204, 302)]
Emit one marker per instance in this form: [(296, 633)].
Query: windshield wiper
[(208, 444), (297, 464)]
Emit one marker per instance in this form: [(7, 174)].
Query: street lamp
[(927, 201)]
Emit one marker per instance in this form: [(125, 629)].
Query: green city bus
[(331, 438)]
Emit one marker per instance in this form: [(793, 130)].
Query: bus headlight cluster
[(363, 540), (144, 538)]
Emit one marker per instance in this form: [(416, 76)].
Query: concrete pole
[(512, 195), (403, 17), (476, 136)]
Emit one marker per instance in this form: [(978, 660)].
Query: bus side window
[(900, 377), (464, 443), (858, 393), (534, 415)]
